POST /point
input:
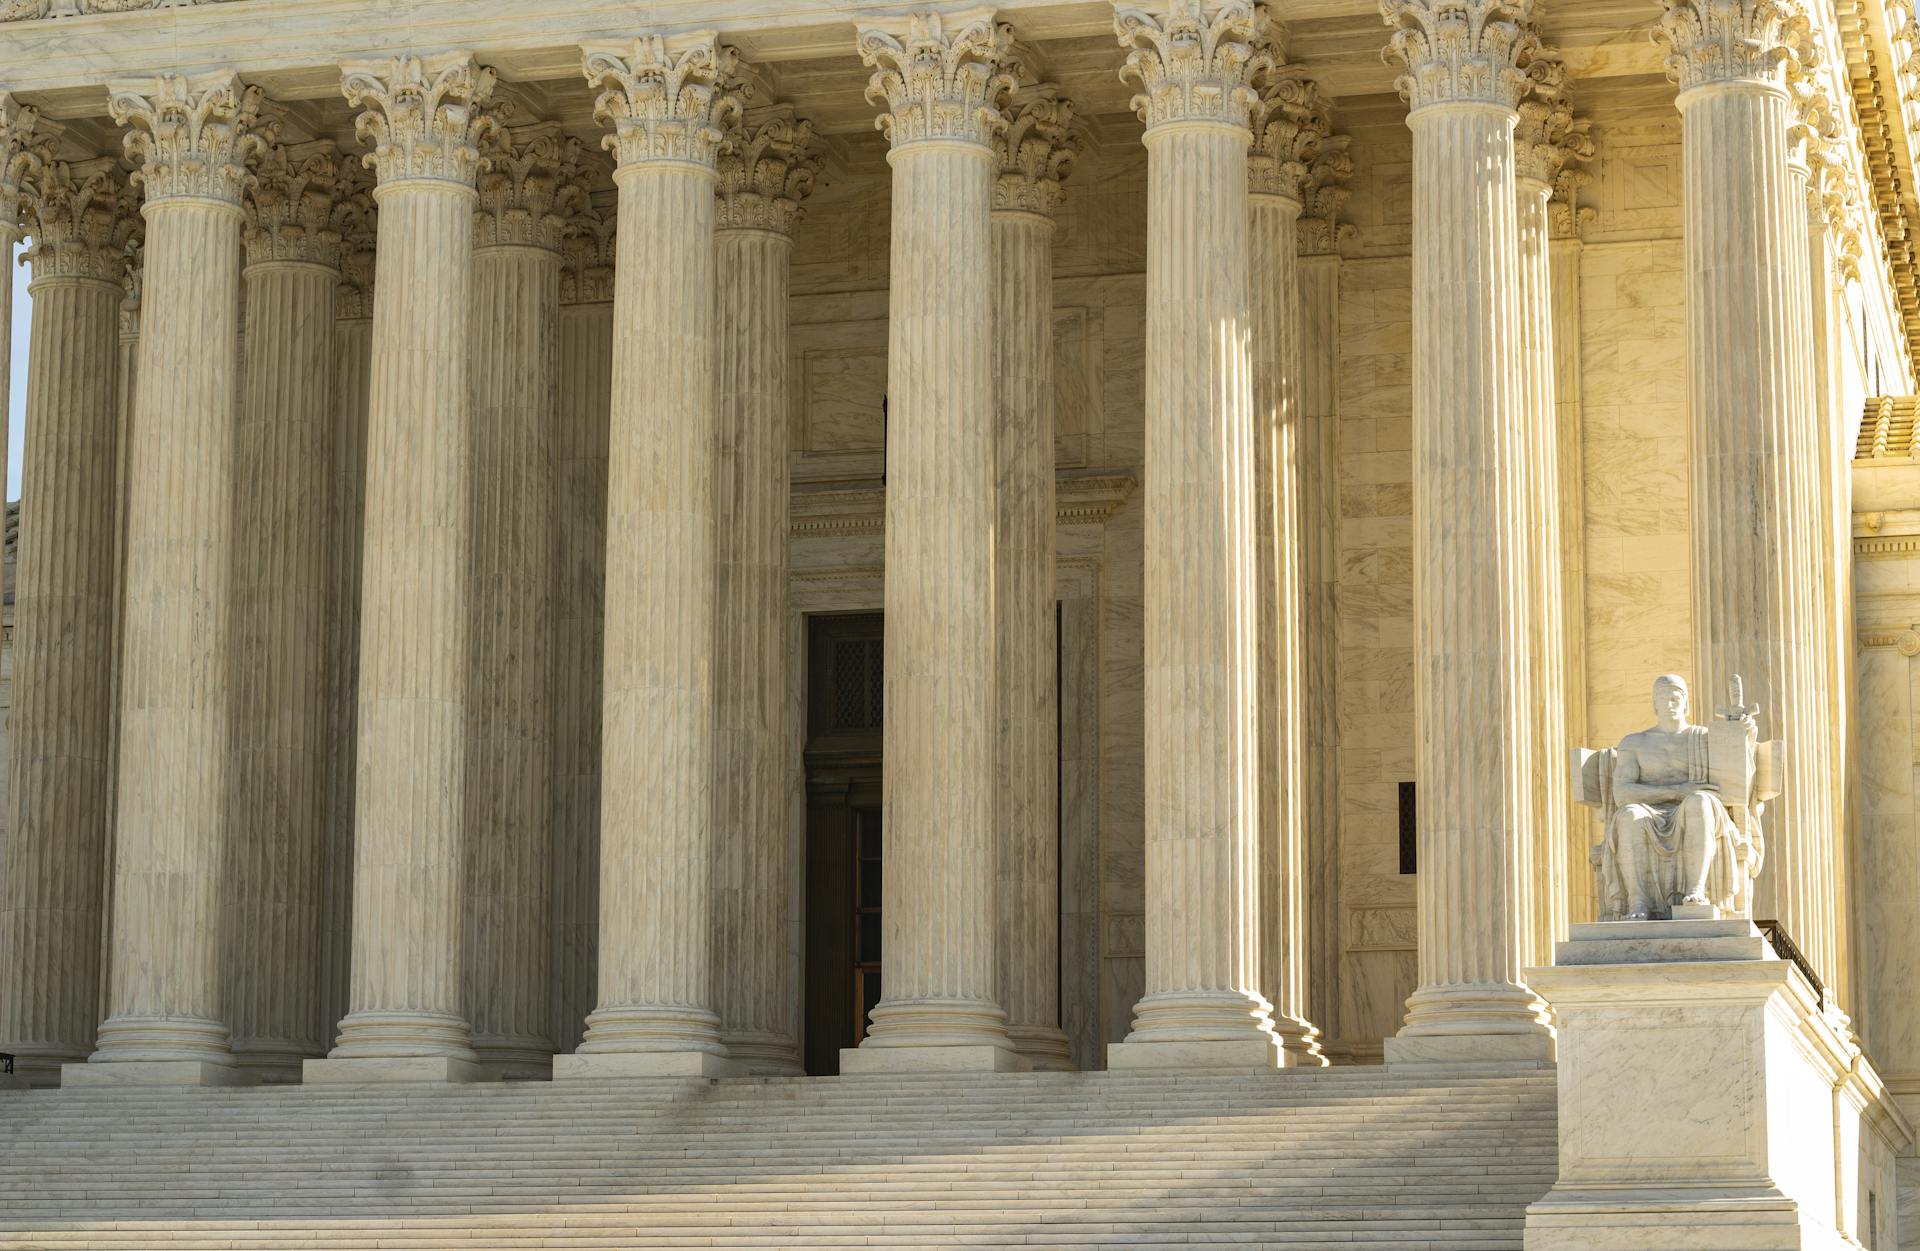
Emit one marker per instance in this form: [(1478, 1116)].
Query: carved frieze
[(667, 98), (766, 170), (1035, 152), (192, 137), (1194, 60), (1461, 51), (940, 79), (82, 219), (424, 117)]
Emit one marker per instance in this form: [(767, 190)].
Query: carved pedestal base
[(1706, 1101)]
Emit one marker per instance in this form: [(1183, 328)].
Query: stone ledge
[(154, 1073), (382, 1069), (587, 1065), (984, 1058)]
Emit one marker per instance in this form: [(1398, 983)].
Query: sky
[(17, 388)]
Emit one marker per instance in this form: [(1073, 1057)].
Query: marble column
[(276, 842), (1320, 235), (668, 100), (352, 372), (193, 139), (526, 196), (1289, 124), (1544, 142), (765, 173), (1746, 303), (1566, 219), (940, 1008), (53, 849), (1032, 156), (1194, 63), (1470, 528), (425, 119), (580, 456)]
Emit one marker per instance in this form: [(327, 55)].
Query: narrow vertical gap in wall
[(1409, 830)]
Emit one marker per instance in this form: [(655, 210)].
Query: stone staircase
[(1335, 1158)]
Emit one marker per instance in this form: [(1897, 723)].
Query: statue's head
[(1670, 697)]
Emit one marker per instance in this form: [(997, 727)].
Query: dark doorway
[(845, 708)]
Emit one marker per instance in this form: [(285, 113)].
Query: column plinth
[(53, 850), (668, 101), (763, 177), (165, 1017), (940, 1006), (1470, 518), (406, 1017), (1031, 157)]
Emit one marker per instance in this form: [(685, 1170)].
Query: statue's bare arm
[(1629, 789)]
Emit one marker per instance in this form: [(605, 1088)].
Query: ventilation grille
[(858, 692)]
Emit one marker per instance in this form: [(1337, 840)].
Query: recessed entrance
[(844, 862)]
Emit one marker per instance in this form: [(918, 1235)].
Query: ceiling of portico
[(810, 65)]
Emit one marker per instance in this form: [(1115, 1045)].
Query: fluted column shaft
[(1546, 825), (1564, 267), (1744, 281), (1274, 360), (752, 744), (1471, 510), (508, 943), (54, 845), (1026, 651), (277, 842), (414, 639), (175, 709), (656, 1011)]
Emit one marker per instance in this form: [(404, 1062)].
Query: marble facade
[(542, 457)]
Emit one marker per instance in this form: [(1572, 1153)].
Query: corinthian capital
[(534, 181), (1035, 152), (1461, 51), (766, 170), (193, 137), (1195, 60), (356, 219), (587, 257), (83, 219), (1548, 141), (1714, 41), (290, 205), (940, 77), (1292, 126), (668, 98), (425, 117), (26, 147)]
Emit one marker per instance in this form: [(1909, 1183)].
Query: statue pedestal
[(1706, 1101)]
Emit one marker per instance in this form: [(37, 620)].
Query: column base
[(153, 1073), (1474, 1023), (766, 1055), (1044, 1047), (965, 1058), (585, 1065), (1260, 1055), (1299, 1044), (373, 1070)]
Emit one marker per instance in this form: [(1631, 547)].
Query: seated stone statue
[(1682, 807)]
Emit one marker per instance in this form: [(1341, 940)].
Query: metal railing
[(6, 1064), (1784, 947)]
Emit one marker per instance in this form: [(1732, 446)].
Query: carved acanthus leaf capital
[(767, 169), (83, 219), (1462, 51), (1320, 231), (131, 285), (26, 148), (193, 137), (533, 181), (290, 205), (1194, 60), (1292, 125), (587, 256), (425, 117), (1035, 152), (1548, 142), (667, 98), (356, 219), (1714, 41), (941, 78)]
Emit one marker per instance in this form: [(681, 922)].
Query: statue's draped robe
[(1657, 831)]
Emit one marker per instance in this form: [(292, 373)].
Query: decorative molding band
[(1887, 547), (855, 511), (38, 10)]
